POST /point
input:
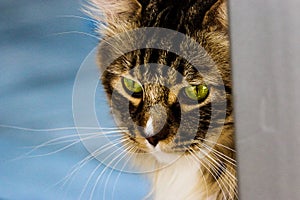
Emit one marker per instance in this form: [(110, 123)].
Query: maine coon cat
[(159, 105)]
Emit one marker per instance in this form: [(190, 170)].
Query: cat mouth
[(161, 153), (152, 141)]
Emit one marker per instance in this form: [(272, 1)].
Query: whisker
[(106, 167), (60, 140), (87, 159), (82, 139), (58, 129), (113, 46), (75, 32), (56, 151), (215, 165), (220, 154), (83, 162), (220, 179), (208, 169), (57, 140), (213, 168), (218, 144), (203, 177), (73, 171), (60, 149), (96, 154), (231, 179), (78, 17), (217, 157), (120, 171), (147, 197)]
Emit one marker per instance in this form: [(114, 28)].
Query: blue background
[(38, 66)]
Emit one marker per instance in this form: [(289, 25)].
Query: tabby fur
[(205, 21)]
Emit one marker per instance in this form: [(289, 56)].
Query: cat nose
[(152, 140), (155, 123), (156, 120)]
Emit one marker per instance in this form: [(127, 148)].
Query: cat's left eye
[(132, 85), (197, 92)]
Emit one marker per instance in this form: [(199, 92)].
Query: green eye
[(132, 86), (197, 92)]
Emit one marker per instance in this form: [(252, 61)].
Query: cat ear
[(217, 16), (112, 10)]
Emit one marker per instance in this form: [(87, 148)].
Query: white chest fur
[(181, 180)]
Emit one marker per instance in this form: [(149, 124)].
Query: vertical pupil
[(200, 91), (197, 92)]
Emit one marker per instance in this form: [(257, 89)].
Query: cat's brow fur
[(206, 21)]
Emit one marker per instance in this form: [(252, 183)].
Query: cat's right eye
[(132, 86), (197, 92)]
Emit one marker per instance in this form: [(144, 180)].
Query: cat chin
[(162, 156)]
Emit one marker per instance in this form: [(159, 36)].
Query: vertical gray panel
[(266, 68)]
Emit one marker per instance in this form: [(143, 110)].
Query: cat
[(169, 122)]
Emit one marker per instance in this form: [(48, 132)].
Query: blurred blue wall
[(38, 65)]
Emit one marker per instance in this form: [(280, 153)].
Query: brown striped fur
[(206, 22)]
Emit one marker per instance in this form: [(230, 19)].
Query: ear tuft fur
[(112, 9), (217, 17), (113, 16)]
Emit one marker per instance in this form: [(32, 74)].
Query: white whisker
[(59, 150), (208, 169), (221, 155), (120, 171), (78, 17), (217, 157), (95, 154), (58, 129), (215, 165), (230, 177), (87, 159), (218, 144), (203, 177), (106, 167), (76, 32), (113, 46)]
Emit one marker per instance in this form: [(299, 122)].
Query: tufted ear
[(216, 18), (113, 10)]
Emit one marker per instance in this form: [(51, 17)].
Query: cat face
[(172, 98), (162, 99)]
